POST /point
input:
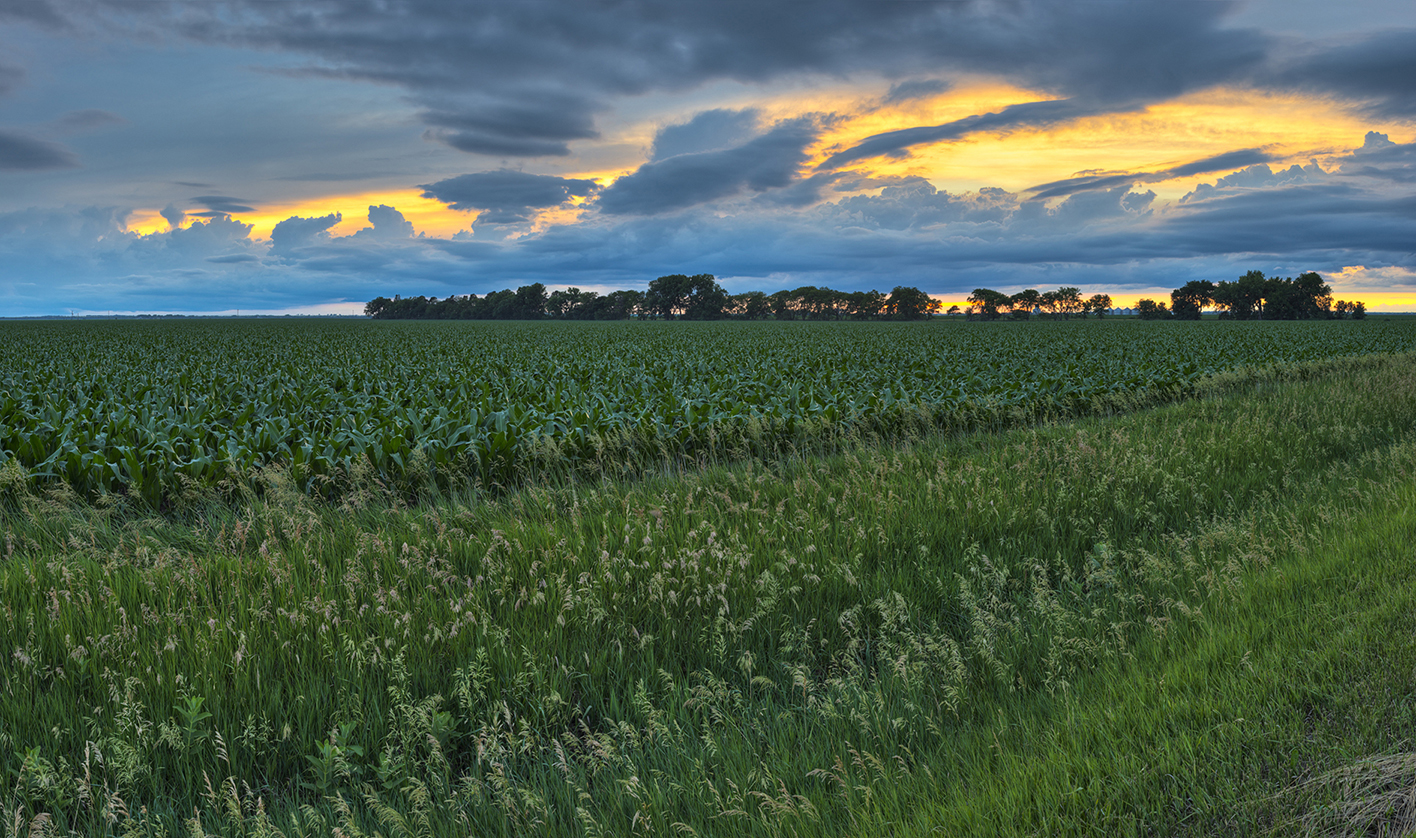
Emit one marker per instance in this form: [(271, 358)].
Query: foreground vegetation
[(173, 412), (1167, 621)]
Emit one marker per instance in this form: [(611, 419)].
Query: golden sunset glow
[(1291, 127), (428, 216)]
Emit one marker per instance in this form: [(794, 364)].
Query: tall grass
[(796, 647)]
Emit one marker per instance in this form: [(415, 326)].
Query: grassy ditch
[(960, 632)]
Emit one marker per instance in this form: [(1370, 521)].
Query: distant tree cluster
[(1064, 303), (676, 296), (1254, 297)]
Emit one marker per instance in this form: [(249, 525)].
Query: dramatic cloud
[(916, 204), (173, 215), (506, 196), (715, 111), (296, 232), (1379, 157), (1379, 72), (1256, 177), (21, 152), (535, 125), (543, 70), (389, 225), (770, 161)]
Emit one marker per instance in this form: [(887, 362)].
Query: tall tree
[(1187, 301), (909, 303), (667, 296), (1025, 302), (706, 299), (985, 303)]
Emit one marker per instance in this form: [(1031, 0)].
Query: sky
[(305, 156)]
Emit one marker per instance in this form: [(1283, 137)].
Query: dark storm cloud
[(706, 131), (543, 69), (506, 196), (534, 125), (767, 162), (233, 259), (224, 204), (21, 152), (1379, 70), (1217, 163)]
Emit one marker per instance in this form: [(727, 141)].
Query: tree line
[(987, 304), (1254, 297), (673, 297)]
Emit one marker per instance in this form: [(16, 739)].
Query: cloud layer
[(602, 145)]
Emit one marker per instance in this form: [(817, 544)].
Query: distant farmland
[(143, 408)]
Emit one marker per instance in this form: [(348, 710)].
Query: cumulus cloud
[(22, 152), (389, 225), (915, 204), (296, 232), (770, 161), (506, 196), (173, 216), (1379, 157), (1260, 176)]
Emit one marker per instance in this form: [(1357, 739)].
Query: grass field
[(1189, 619)]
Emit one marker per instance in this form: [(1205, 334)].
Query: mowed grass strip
[(813, 646)]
